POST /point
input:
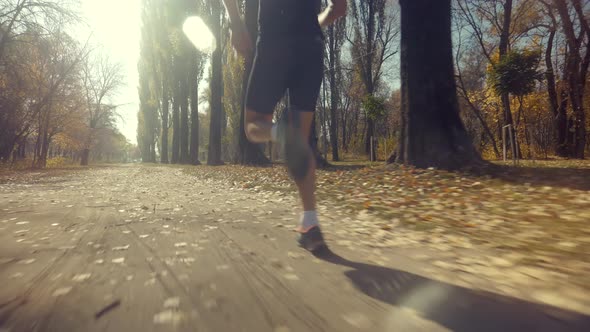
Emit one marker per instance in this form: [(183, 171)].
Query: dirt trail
[(136, 248)]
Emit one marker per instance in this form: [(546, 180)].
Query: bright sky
[(116, 27)]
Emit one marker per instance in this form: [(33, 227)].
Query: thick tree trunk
[(214, 153), (165, 115), (321, 162), (42, 161), (184, 125), (194, 146), (574, 74), (333, 91), (85, 157), (370, 135), (44, 140), (176, 125), (558, 110), (432, 134)]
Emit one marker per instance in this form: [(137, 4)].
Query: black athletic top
[(289, 18)]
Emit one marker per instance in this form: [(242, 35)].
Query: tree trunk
[(165, 115), (558, 110), (370, 135), (194, 146), (249, 153), (85, 157), (42, 161), (333, 91), (44, 139), (184, 125), (176, 124), (432, 134), (503, 51), (321, 162), (574, 78), (214, 153)]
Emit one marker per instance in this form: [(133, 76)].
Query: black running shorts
[(294, 63)]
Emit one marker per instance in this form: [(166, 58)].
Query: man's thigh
[(269, 77), (307, 75)]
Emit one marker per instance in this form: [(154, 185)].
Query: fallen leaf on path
[(61, 291), (168, 317), (291, 276), (173, 302), (81, 277)]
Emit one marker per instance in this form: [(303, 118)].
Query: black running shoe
[(312, 240), (297, 152)]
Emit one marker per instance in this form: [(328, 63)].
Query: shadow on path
[(571, 177), (456, 308)]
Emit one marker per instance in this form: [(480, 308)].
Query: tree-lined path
[(152, 248)]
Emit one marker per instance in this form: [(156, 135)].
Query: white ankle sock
[(309, 219)]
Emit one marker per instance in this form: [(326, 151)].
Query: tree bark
[(558, 110), (194, 146), (85, 157), (184, 125), (321, 162), (165, 115), (503, 51), (214, 153), (176, 123), (574, 75), (333, 55), (432, 134)]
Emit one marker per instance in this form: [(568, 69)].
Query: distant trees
[(52, 100), (170, 71), (554, 110), (101, 79), (374, 30)]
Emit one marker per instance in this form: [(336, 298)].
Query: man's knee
[(254, 122)]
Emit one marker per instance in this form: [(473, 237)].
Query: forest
[(521, 69), (55, 98), (521, 72)]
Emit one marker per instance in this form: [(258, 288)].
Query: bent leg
[(258, 126)]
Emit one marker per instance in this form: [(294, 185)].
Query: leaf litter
[(537, 210)]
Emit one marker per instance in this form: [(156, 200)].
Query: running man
[(288, 55)]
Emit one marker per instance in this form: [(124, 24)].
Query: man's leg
[(306, 185), (304, 89), (258, 126), (310, 237)]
